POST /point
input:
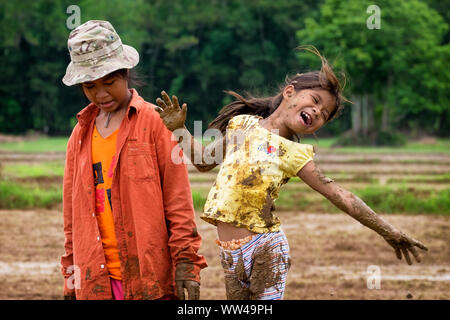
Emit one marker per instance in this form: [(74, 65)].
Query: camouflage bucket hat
[(96, 50)]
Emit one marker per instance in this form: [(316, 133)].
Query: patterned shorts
[(258, 269)]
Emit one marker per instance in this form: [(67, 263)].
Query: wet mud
[(242, 286)]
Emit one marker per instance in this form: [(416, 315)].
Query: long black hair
[(265, 106)]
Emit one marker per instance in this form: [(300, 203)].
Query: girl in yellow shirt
[(259, 155)]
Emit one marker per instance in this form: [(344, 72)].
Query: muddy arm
[(174, 117), (203, 158), (356, 208)]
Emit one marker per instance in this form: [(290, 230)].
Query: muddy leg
[(235, 277), (269, 271)]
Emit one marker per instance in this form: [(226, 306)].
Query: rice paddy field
[(331, 253)]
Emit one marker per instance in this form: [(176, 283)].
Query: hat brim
[(76, 74)]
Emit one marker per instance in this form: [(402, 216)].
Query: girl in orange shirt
[(128, 214)]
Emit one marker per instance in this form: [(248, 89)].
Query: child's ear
[(288, 92)]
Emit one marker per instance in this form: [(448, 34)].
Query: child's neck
[(275, 124)]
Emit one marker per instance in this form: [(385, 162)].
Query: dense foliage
[(397, 76)]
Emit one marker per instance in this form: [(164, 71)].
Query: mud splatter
[(266, 211), (262, 275), (281, 151), (132, 267), (322, 178), (233, 286), (98, 289), (88, 274), (217, 214), (254, 179), (184, 270)]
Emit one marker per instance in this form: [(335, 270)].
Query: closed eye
[(109, 83)]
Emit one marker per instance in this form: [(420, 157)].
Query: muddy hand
[(170, 112), (192, 287), (402, 243), (183, 280)]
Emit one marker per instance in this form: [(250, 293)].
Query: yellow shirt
[(103, 163), (257, 163)]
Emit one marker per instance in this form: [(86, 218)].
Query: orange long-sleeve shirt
[(152, 210)]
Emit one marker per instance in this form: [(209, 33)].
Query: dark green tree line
[(196, 49)]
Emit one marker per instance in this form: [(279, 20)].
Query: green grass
[(381, 199), (46, 144), (441, 145), (199, 200), (407, 199), (33, 170), (21, 196), (58, 144), (436, 178), (392, 200)]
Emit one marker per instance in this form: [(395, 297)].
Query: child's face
[(307, 110), (108, 93)]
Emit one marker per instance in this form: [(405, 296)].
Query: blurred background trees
[(397, 76)]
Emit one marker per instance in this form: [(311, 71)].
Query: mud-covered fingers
[(193, 289), (419, 244), (415, 254), (398, 253), (406, 254), (161, 104), (180, 289), (396, 248), (166, 99), (158, 109), (175, 102), (184, 108)]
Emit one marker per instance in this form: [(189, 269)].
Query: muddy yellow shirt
[(257, 163)]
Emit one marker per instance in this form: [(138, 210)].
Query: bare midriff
[(227, 232)]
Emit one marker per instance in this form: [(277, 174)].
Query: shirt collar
[(91, 111)]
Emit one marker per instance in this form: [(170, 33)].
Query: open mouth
[(307, 120)]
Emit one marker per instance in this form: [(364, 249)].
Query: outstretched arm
[(174, 117), (356, 208)]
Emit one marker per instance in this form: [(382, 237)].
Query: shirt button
[(102, 266), (93, 214), (98, 238)]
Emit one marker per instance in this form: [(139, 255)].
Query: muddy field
[(331, 253)]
